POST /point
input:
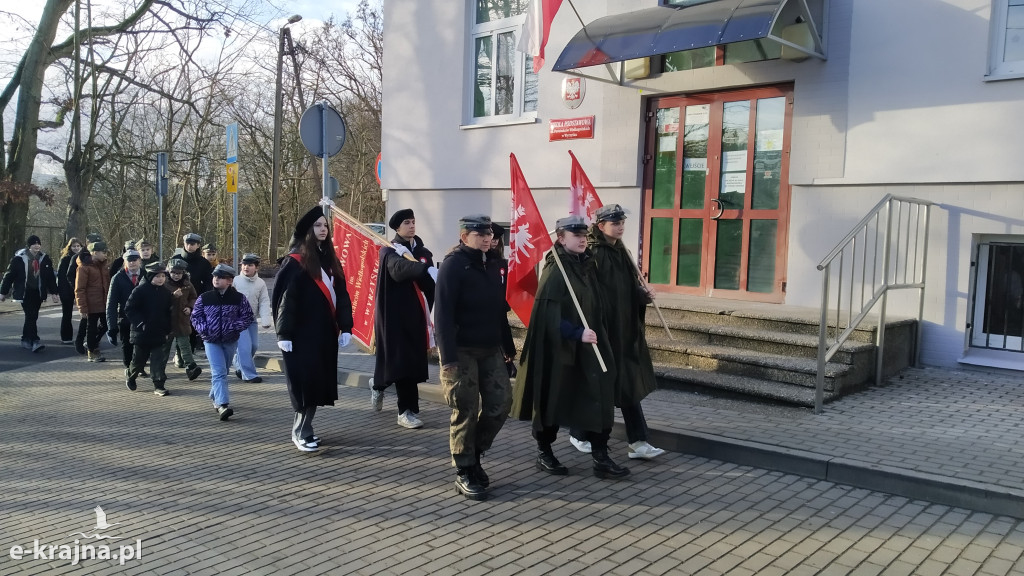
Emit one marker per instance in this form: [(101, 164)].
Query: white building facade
[(741, 163)]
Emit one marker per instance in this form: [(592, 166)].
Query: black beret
[(305, 223), (398, 217)]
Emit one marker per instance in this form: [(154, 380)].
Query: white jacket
[(255, 291)]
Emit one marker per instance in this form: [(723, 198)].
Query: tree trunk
[(24, 138)]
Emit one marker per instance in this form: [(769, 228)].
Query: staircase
[(768, 351)]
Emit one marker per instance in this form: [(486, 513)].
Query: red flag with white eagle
[(539, 15), (584, 200), (528, 241)]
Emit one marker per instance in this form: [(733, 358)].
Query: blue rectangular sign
[(231, 131)]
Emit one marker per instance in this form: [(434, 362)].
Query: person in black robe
[(313, 315), (401, 325), (560, 380)]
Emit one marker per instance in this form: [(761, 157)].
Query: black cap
[(498, 229), (476, 223), (178, 264), (98, 246), (129, 244), (93, 237), (132, 255), (250, 259), (224, 271), (210, 247), (398, 217), (33, 240), (573, 223), (192, 237), (610, 213), (305, 223), (155, 268)]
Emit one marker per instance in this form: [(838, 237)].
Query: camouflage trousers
[(480, 395)]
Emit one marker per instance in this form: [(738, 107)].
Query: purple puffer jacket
[(221, 317)]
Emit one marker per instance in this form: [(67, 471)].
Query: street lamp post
[(275, 186)]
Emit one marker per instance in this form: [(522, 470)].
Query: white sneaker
[(376, 398), (644, 451), (408, 419), (581, 445), (306, 446)]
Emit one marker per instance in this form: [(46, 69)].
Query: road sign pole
[(234, 217), (323, 140)]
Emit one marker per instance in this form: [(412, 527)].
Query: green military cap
[(476, 223), (610, 213), (571, 224)]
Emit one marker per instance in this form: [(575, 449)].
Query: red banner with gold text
[(358, 252)]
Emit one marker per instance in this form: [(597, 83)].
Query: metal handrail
[(903, 265)]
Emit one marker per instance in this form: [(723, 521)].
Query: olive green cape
[(560, 382), (618, 283)]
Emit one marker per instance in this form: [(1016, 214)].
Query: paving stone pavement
[(211, 497)]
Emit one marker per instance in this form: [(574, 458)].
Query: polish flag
[(539, 15), (528, 241), (584, 198)]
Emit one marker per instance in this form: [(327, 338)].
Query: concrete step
[(755, 364), (721, 384), (795, 344)]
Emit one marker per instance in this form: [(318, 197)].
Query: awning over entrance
[(696, 24)]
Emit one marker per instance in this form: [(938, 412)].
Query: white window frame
[(512, 24), (997, 69)]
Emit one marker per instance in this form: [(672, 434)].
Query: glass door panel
[(689, 251), (660, 251), (735, 133), (695, 155), (728, 253), (761, 267), (771, 117), (665, 159)]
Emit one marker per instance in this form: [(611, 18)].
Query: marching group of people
[(152, 307), (585, 352)]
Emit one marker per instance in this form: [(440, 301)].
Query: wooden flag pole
[(640, 275), (579, 310)]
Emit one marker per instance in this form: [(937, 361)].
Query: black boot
[(546, 462), (129, 379), (478, 472), (467, 485), (193, 371), (605, 467)]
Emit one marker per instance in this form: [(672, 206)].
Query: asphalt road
[(13, 356)]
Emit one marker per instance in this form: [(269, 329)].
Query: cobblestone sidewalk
[(201, 496)]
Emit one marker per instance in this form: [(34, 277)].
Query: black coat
[(14, 279), (199, 269), (400, 322), (149, 313), (65, 286), (304, 317), (469, 308), (117, 299), (618, 282), (560, 382)]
